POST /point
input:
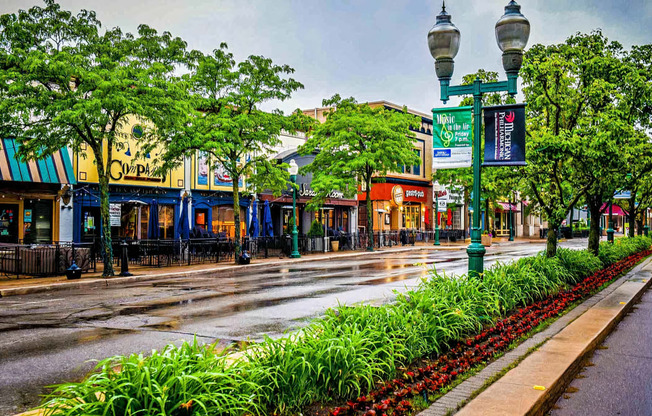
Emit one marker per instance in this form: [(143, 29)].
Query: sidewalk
[(551, 358), (27, 285)]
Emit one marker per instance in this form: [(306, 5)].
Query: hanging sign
[(452, 137), (504, 132), (115, 214)]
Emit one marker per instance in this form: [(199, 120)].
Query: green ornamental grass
[(339, 356)]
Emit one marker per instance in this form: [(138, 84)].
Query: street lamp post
[(610, 229), (293, 169), (512, 33), (511, 218), (436, 187), (646, 228)]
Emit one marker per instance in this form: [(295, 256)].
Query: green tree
[(357, 143), (574, 129), (227, 124), (65, 83)]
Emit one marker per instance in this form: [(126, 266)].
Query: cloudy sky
[(369, 49)]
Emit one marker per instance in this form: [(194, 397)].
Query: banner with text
[(452, 137), (504, 135)]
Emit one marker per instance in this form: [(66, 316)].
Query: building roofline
[(383, 103)]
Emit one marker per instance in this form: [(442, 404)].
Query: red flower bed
[(440, 371)]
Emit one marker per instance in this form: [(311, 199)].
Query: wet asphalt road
[(620, 380), (53, 337)]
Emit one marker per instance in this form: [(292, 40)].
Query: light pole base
[(295, 255), (437, 237), (610, 235), (646, 230), (476, 258)]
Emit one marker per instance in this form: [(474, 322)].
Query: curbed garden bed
[(348, 356)]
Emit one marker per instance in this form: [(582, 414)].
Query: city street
[(53, 337)]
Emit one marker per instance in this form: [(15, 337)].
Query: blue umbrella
[(152, 227), (268, 227), (184, 229), (254, 228)]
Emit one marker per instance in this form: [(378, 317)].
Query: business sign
[(397, 195), (623, 195), (442, 206), (504, 132), (115, 214), (452, 137)]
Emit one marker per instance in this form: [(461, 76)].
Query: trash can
[(73, 272)]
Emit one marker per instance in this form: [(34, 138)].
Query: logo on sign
[(442, 153), (397, 195), (504, 131)]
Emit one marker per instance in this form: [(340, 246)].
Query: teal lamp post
[(512, 33), (610, 226), (646, 228), (293, 169), (436, 187)]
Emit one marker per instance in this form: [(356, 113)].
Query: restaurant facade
[(35, 196), (134, 189)]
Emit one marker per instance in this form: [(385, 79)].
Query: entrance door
[(201, 219)]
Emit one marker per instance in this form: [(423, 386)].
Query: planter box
[(486, 240)]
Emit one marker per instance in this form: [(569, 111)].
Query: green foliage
[(227, 126), (66, 81), (355, 143), (316, 229), (339, 356), (290, 226), (191, 379)]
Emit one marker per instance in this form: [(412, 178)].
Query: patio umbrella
[(152, 227), (254, 227), (268, 227), (184, 229)]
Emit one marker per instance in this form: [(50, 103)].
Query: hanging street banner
[(452, 137), (504, 135)]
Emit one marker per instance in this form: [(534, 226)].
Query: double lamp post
[(512, 33)]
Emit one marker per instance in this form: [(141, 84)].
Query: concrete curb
[(534, 385), (208, 272)]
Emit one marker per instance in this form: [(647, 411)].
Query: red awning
[(615, 209), (505, 206)]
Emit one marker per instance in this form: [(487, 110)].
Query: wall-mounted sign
[(27, 217), (119, 170), (442, 205), (137, 131), (504, 130), (305, 191), (414, 193), (452, 135), (397, 195), (115, 215), (202, 169)]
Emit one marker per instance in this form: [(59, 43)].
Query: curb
[(116, 281), (534, 385)]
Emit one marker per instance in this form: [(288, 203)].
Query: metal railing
[(46, 259)]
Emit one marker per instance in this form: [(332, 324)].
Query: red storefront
[(398, 206)]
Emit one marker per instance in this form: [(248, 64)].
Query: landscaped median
[(357, 360)]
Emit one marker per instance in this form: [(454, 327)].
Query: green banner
[(452, 137)]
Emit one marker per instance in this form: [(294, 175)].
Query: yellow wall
[(125, 168)]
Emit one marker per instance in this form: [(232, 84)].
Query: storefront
[(336, 214), (134, 190), (212, 200), (30, 194), (399, 204)]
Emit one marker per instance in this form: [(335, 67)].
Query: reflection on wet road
[(50, 337)]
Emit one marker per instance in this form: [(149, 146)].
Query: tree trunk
[(107, 247), (639, 227), (370, 219), (594, 227), (551, 245), (236, 218), (632, 214)]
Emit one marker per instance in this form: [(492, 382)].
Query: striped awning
[(55, 168)]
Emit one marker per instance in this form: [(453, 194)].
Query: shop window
[(223, 221), (37, 221), (90, 223), (144, 221), (8, 223), (166, 221)]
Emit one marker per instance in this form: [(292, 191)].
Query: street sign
[(452, 137)]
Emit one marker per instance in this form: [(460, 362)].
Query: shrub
[(316, 229)]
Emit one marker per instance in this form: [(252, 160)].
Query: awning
[(505, 206), (615, 209), (55, 168)]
